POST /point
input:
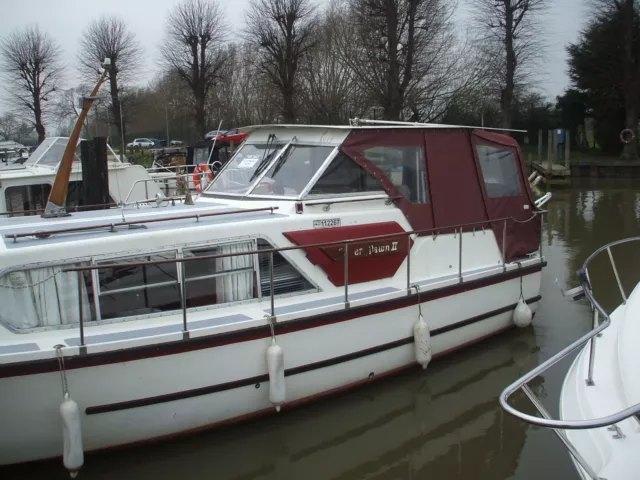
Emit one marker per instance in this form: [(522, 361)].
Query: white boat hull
[(142, 399), (609, 454)]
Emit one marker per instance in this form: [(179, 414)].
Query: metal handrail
[(522, 382), (114, 225), (265, 250)]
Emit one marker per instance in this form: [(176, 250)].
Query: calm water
[(445, 424)]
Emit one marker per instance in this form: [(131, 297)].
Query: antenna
[(58, 196)]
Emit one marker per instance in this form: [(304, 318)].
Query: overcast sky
[(64, 20)]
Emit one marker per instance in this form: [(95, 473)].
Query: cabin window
[(499, 170), (26, 197), (45, 297), (405, 167), (286, 278), (133, 289), (343, 176), (219, 280), (293, 170)]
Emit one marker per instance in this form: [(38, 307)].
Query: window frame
[(516, 164), (94, 288)]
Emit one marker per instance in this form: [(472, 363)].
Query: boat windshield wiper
[(267, 155)]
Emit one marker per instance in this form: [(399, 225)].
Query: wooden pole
[(58, 196), (567, 150), (549, 153), (539, 145)]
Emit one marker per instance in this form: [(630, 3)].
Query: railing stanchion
[(504, 245), (615, 271), (81, 308), (592, 358), (183, 301), (408, 263), (460, 256), (541, 233), (561, 435), (273, 308), (346, 275)]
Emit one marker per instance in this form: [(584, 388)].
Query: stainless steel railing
[(522, 383), (347, 246)]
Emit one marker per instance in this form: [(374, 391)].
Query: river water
[(442, 424)]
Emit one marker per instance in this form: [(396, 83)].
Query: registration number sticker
[(329, 222)]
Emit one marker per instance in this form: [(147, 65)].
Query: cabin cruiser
[(600, 395), (24, 188), (319, 259)]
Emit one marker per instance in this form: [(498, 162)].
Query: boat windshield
[(293, 170), (287, 173), (247, 164)]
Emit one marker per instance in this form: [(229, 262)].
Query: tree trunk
[(37, 110), (115, 102), (507, 91), (630, 150), (200, 115), (288, 107), (393, 106)]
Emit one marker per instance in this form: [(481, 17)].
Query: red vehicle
[(233, 135)]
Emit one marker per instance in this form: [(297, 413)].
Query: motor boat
[(600, 395), (24, 188), (319, 259)]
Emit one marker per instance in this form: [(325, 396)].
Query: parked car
[(176, 143), (213, 134), (233, 135), (141, 143), (158, 143)]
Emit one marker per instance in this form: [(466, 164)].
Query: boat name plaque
[(368, 249), (328, 222)]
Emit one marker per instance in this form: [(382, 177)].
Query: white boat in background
[(24, 188), (318, 259), (600, 396)]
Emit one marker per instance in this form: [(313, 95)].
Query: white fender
[(422, 342), (275, 366), (522, 314), (73, 456)]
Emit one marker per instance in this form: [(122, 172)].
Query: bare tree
[(394, 47), (193, 49), (30, 61), (282, 31), (108, 37), (511, 32), (331, 90)]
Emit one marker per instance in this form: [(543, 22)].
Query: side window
[(44, 297), (405, 167), (286, 279), (26, 197), (500, 171), (219, 280), (138, 289), (344, 175)]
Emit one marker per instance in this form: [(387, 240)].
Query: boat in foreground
[(600, 396), (319, 258)]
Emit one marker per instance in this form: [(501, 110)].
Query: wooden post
[(567, 150), (539, 145), (549, 152)]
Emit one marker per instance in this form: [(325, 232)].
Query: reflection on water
[(443, 424)]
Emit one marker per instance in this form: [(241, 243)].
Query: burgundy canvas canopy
[(449, 176)]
